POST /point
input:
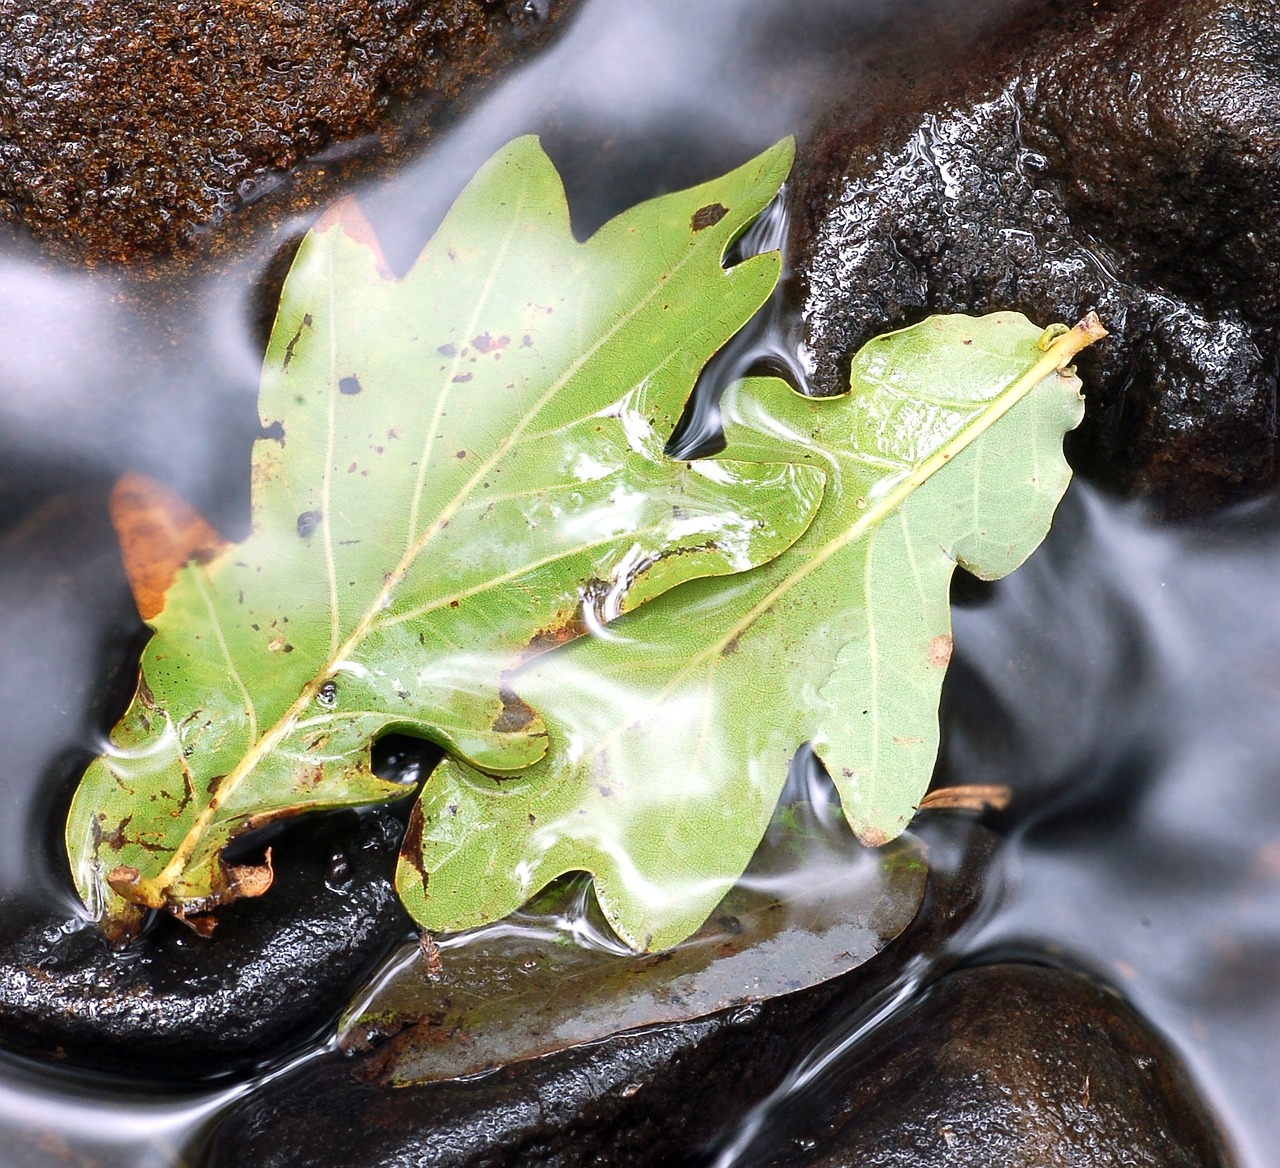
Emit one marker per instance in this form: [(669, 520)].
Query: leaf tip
[(348, 216)]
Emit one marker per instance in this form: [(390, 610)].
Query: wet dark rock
[(130, 130), (1122, 156), (651, 1097), (178, 1006), (1000, 1067)]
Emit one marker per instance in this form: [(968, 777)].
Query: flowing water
[(1124, 683)]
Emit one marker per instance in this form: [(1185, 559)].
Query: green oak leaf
[(466, 468), (670, 733)]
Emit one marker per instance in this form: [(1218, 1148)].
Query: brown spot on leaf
[(566, 628), (159, 532), (411, 848), (463, 377), (708, 216), (114, 839), (873, 837), (447, 350), (940, 650), (516, 714), (308, 522)]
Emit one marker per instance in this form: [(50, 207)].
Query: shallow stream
[(1124, 683)]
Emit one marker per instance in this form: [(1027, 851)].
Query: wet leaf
[(463, 467), (670, 734), (812, 905)]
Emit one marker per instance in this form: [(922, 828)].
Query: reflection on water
[(50, 1119), (1124, 683), (1156, 855)]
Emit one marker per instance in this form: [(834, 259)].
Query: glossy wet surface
[(1124, 683)]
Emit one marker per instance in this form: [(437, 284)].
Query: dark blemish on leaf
[(526, 342), (731, 647), (352, 469), (607, 792), (453, 255), (516, 714), (453, 809), (288, 349), (115, 839), (411, 849), (566, 628), (461, 454), (349, 386), (730, 924), (485, 343), (378, 449), (463, 377), (348, 542), (327, 694), (453, 604), (447, 350), (308, 521), (532, 818)]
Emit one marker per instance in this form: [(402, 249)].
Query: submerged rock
[(651, 1097), (1119, 156), (1000, 1067), (176, 1005), (130, 130)]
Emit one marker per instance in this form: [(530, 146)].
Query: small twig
[(430, 956), (967, 798)]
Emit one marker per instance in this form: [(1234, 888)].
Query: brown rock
[(134, 128)]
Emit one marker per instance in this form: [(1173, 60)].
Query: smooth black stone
[(176, 1006), (1119, 156), (652, 1097), (1000, 1067)]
